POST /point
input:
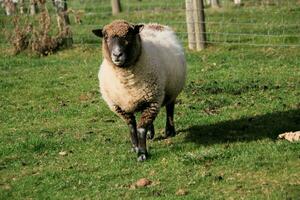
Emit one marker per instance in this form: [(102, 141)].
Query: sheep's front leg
[(147, 118), (131, 122), (133, 135)]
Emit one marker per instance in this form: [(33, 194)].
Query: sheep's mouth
[(118, 61)]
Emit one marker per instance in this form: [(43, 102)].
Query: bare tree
[(63, 22), (62, 14), (116, 6)]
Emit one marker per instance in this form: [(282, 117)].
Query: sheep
[(143, 69)]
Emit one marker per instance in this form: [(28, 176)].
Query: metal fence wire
[(273, 23)]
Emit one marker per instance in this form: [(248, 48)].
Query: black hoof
[(142, 156), (170, 132)]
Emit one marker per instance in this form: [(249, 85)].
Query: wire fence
[(274, 23)]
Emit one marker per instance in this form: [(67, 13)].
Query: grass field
[(236, 101)]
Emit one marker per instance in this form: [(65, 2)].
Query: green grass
[(236, 101)]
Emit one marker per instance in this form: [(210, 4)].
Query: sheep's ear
[(98, 32), (138, 28)]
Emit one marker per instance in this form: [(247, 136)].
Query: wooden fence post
[(190, 24), (116, 7), (199, 19)]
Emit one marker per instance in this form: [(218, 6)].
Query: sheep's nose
[(117, 54)]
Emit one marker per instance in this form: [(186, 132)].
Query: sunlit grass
[(236, 101)]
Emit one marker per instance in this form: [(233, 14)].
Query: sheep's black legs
[(142, 148), (147, 118), (130, 120), (133, 135), (170, 129), (150, 132)]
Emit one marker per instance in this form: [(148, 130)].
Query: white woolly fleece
[(160, 72)]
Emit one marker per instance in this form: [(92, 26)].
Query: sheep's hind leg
[(170, 128), (147, 118), (131, 122)]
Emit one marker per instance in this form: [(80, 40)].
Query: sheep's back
[(161, 46)]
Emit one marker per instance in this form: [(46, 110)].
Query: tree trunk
[(116, 7), (33, 7), (207, 2), (61, 9), (10, 7), (215, 3), (21, 2), (63, 22)]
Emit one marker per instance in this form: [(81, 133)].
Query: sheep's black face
[(120, 49), (121, 42)]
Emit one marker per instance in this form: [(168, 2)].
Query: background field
[(241, 92)]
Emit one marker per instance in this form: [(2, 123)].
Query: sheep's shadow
[(244, 129)]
